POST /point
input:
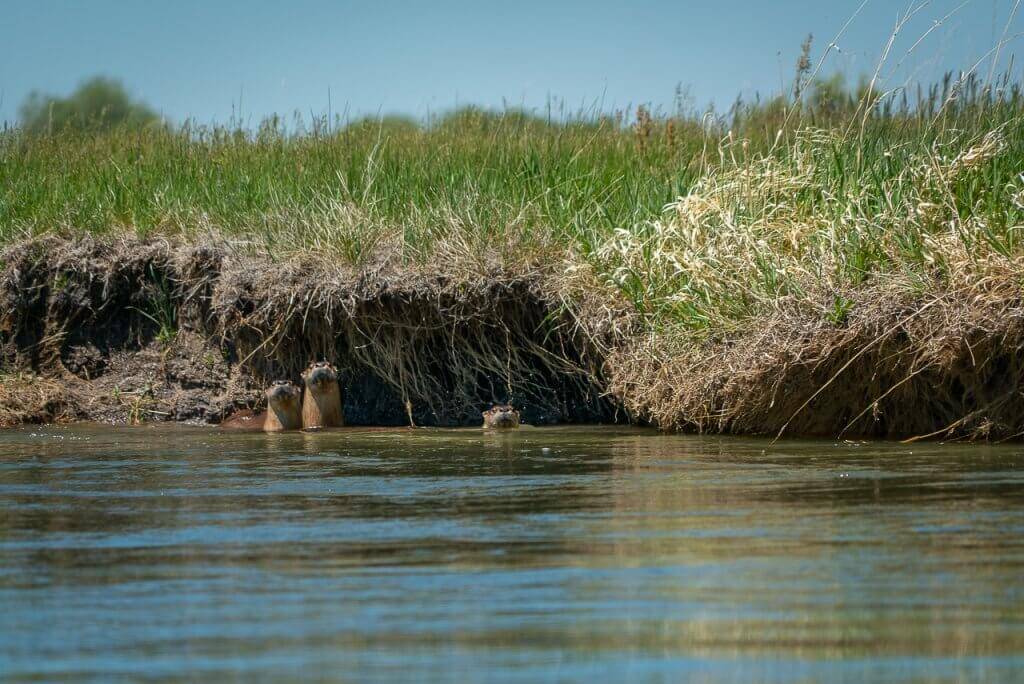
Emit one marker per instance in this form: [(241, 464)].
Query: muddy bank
[(123, 330)]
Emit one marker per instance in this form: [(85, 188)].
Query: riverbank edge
[(122, 329)]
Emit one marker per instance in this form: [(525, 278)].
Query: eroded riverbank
[(124, 330)]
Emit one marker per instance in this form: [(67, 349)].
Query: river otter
[(284, 411), (321, 402), (501, 416)]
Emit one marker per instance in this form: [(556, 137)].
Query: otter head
[(321, 403), (284, 406), (319, 376), (501, 416)]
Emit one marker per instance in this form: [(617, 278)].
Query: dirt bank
[(946, 364), (124, 330)]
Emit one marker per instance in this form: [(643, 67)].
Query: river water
[(577, 553)]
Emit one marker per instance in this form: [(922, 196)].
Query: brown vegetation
[(946, 365), (211, 325), (29, 398), (83, 336)]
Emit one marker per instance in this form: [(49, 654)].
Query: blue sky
[(210, 60)]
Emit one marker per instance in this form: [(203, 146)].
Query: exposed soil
[(125, 330)]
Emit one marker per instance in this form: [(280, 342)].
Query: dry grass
[(939, 365), (944, 360), (446, 342), (780, 302), (780, 229), (437, 339), (29, 398)]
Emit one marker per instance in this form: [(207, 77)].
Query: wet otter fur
[(501, 417), (284, 411), (321, 401)]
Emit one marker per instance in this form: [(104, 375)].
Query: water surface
[(554, 553)]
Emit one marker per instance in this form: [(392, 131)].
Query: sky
[(232, 60)]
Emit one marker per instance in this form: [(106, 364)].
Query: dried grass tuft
[(29, 398), (941, 365)]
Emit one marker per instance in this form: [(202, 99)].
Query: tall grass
[(701, 222), (484, 173)]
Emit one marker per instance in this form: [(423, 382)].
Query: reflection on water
[(556, 553)]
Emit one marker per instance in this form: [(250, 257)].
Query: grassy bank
[(800, 227), (700, 223)]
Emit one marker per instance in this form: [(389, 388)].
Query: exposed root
[(129, 331), (412, 345)]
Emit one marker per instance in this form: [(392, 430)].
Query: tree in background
[(97, 104)]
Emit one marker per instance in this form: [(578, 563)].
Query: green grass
[(783, 202), (485, 170)]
